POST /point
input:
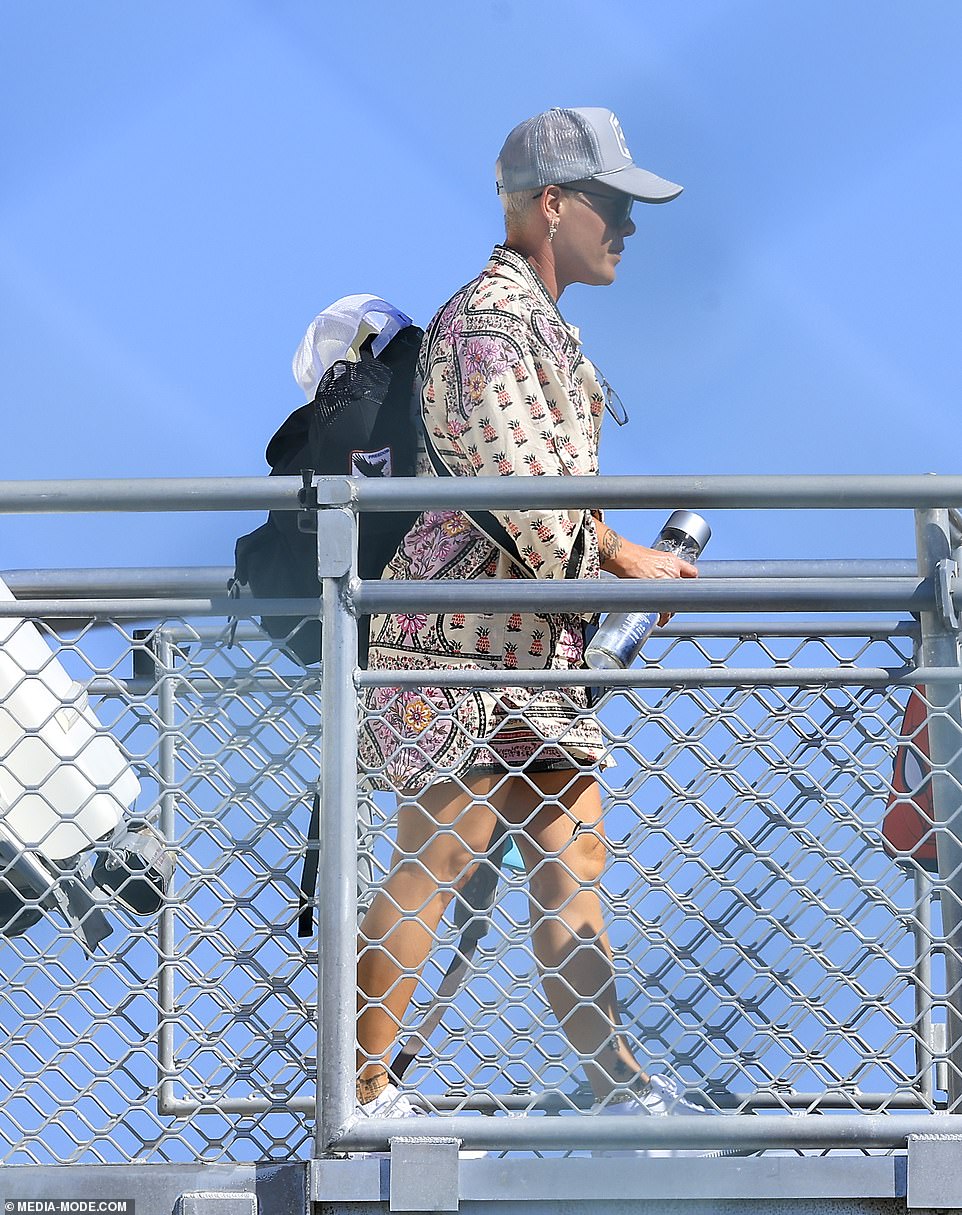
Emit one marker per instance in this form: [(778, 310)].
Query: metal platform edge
[(616, 1186), (924, 1179)]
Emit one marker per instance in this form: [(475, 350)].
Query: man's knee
[(587, 855), (447, 861), (583, 861)]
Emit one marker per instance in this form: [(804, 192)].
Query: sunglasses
[(617, 209), (613, 402)]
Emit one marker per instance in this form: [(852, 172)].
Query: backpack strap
[(494, 529), (483, 520), (305, 913)]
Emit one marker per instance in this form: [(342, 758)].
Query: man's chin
[(604, 276)]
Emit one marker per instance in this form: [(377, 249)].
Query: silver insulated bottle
[(618, 641)]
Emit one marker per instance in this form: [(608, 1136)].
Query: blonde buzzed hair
[(515, 206)]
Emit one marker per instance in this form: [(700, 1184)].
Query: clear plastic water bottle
[(618, 641)]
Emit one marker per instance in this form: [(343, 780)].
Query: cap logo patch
[(620, 136)]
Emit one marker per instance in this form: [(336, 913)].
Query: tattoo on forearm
[(610, 546)]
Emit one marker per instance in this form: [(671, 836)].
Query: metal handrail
[(858, 585), (789, 492)]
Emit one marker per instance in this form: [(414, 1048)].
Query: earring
[(552, 229)]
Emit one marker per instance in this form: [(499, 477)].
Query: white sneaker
[(660, 1097), (391, 1103)]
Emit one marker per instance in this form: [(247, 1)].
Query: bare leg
[(564, 850), (438, 842), (437, 848)]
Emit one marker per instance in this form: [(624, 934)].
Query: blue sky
[(184, 185)]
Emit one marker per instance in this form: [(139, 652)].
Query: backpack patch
[(372, 463)]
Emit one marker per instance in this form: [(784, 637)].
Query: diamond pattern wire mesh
[(224, 742), (762, 936), (759, 929)]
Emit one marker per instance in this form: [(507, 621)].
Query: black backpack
[(363, 421)]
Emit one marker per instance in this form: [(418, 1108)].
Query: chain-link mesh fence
[(768, 949)]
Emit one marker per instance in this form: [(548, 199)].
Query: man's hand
[(627, 560)]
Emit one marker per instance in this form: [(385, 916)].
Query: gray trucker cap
[(559, 146)]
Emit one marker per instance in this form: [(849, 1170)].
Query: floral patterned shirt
[(505, 391)]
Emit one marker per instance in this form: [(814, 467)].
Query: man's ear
[(550, 203)]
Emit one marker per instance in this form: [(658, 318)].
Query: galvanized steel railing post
[(921, 924), (940, 646), (337, 869), (164, 651)]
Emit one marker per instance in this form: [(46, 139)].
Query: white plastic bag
[(64, 780), (333, 332)]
